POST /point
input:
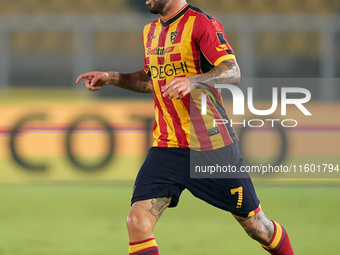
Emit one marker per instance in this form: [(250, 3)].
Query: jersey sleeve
[(145, 58), (211, 40)]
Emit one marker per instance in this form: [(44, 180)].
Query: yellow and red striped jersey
[(188, 43)]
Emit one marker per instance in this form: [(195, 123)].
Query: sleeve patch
[(222, 47)]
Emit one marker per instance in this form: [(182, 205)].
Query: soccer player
[(186, 54)]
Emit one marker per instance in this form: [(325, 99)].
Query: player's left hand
[(179, 86)]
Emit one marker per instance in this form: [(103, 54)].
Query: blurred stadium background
[(60, 195)]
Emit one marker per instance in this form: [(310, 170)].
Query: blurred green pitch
[(84, 220)]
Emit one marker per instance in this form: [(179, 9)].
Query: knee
[(138, 224)]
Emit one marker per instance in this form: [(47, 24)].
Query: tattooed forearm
[(137, 81), (228, 72), (159, 205)]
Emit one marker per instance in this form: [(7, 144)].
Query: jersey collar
[(175, 16)]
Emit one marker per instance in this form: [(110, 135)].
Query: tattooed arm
[(137, 81), (228, 72)]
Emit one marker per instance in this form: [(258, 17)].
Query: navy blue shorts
[(166, 173)]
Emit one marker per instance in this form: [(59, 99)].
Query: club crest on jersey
[(173, 36)]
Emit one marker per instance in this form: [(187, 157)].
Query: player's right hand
[(94, 80)]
